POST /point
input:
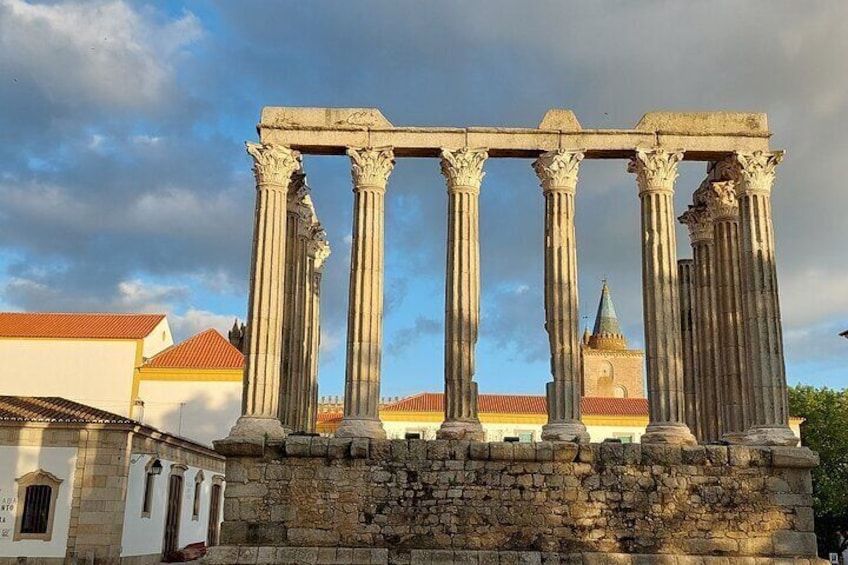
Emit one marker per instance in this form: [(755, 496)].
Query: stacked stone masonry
[(302, 499)]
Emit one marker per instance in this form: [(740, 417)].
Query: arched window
[(153, 469), (38, 492), (198, 485), (620, 391)]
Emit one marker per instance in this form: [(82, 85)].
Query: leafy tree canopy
[(825, 429)]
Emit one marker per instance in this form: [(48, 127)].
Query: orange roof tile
[(330, 417), (206, 350), (71, 325), (521, 404), (54, 409)]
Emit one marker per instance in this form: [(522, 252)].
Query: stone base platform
[(341, 500), (233, 555)]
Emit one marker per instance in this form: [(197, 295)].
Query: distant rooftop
[(206, 350), (52, 409), (80, 326)]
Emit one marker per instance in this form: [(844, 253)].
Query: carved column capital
[(700, 223), (754, 172), (371, 166), (655, 169), (557, 170), (273, 165), (317, 247), (721, 200), (463, 168)]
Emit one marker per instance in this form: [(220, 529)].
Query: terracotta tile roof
[(206, 350), (70, 325), (521, 404), (54, 409), (330, 417)]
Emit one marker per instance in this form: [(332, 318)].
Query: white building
[(126, 364), (79, 483)]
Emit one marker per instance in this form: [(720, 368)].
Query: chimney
[(137, 411)]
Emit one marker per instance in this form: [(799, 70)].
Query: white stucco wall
[(496, 432), (159, 339), (209, 408), (97, 373), (18, 461), (144, 536)]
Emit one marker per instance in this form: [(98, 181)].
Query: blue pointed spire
[(606, 321)]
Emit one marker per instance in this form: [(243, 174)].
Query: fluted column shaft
[(370, 169), (317, 251), (291, 366), (724, 210), (754, 176), (710, 391), (557, 171), (463, 170), (273, 168), (685, 270), (656, 171)]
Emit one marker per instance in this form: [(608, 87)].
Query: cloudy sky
[(124, 185)]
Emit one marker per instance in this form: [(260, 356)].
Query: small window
[(620, 391), (624, 438), (198, 484), (525, 437), (39, 491), (153, 468)]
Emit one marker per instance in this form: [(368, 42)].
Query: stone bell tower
[(610, 369)]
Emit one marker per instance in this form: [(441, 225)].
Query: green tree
[(825, 429)]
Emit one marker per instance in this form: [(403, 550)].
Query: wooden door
[(172, 517), (214, 513)]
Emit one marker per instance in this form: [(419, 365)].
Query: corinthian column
[(724, 209), (273, 166), (300, 216), (656, 171), (557, 171), (370, 169), (463, 170), (317, 251), (710, 391), (685, 268), (754, 176)]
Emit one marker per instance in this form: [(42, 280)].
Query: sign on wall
[(7, 515)]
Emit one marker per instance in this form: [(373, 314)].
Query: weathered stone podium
[(713, 343)]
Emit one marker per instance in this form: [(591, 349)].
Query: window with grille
[(38, 492), (36, 509)]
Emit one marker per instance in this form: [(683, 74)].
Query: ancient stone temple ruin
[(713, 345)]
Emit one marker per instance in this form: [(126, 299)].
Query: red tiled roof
[(54, 409), (206, 350), (521, 404), (69, 325), (330, 417)]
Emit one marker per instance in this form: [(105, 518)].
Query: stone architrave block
[(380, 449), (400, 450), (339, 448), (297, 446), (544, 451), (319, 447), (661, 455), (794, 457), (502, 451), (438, 449), (794, 544), (478, 451), (568, 452), (524, 452), (359, 448), (459, 449)]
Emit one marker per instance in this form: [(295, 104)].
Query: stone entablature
[(541, 498), (330, 131)]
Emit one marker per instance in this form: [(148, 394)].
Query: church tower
[(610, 369)]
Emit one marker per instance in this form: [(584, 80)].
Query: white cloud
[(101, 52), (194, 321)]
